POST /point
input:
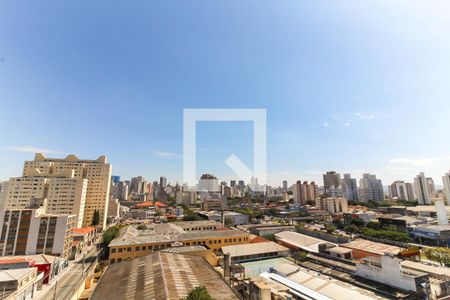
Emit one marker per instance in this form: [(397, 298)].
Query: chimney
[(226, 268), (441, 213)]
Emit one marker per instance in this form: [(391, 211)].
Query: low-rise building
[(254, 251), (363, 248), (29, 231), (437, 234), (161, 275), (300, 283), (266, 229), (297, 241), (83, 238), (134, 242), (399, 221), (388, 270), (48, 265), (365, 216), (18, 283), (231, 218)]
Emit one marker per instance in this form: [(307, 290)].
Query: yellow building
[(134, 242), (96, 172)]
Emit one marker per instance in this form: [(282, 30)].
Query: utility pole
[(54, 293)]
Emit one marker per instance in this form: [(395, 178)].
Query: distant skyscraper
[(423, 189), (233, 183), (331, 179), (401, 190), (371, 188), (241, 183), (349, 188), (136, 185), (446, 181), (285, 185), (115, 179), (162, 182)]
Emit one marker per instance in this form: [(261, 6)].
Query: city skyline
[(356, 89)]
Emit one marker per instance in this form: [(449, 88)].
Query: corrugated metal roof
[(160, 276)]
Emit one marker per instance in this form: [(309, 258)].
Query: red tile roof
[(84, 230), (147, 204)]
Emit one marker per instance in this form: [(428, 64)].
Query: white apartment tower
[(423, 189), (96, 172), (446, 181), (371, 188)]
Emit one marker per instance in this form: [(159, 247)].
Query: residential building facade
[(97, 172), (370, 188), (30, 231), (423, 189)]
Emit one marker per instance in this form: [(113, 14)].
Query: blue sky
[(350, 86)]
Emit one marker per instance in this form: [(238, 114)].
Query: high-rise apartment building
[(423, 189), (136, 185), (446, 181), (3, 186), (162, 182), (349, 188), (285, 185), (401, 190), (305, 192), (331, 179), (30, 231), (370, 188), (96, 172), (63, 193)]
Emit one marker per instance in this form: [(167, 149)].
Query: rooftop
[(426, 208), (298, 238), (169, 232), (160, 276), (15, 274), (84, 230), (320, 287), (433, 228), (184, 249), (252, 249), (38, 259), (373, 247), (436, 271)]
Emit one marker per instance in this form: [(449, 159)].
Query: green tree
[(96, 218), (270, 237), (438, 254), (352, 229), (198, 293), (330, 228), (357, 222), (374, 225), (141, 227), (110, 234), (229, 221), (300, 256)]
